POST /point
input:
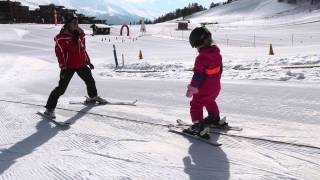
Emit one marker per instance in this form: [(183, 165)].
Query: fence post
[(115, 56), (122, 60), (227, 40)]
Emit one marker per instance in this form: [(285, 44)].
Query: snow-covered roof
[(182, 21), (102, 26)]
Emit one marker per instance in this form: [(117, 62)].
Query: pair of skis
[(213, 128), (181, 125), (175, 128), (58, 120)]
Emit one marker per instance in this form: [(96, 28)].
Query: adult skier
[(73, 58), (205, 84)]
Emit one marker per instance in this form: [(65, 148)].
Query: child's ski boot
[(216, 122), (199, 129)]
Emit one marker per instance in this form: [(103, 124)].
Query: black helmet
[(198, 36), (70, 17)]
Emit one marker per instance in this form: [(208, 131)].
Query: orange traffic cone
[(140, 55), (271, 50)]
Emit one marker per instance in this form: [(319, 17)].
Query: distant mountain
[(115, 12)]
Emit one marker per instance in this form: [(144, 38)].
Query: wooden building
[(183, 24), (100, 29), (13, 12), (47, 13), (66, 12), (5, 13)]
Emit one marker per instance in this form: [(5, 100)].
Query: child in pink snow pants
[(205, 84)]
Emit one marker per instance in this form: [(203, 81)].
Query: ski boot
[(198, 129), (216, 121), (50, 113), (96, 99)]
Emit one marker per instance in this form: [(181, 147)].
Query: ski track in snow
[(107, 148)]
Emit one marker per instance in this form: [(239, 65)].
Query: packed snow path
[(106, 148)]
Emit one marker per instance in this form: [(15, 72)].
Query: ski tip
[(207, 141), (134, 102), (39, 113)]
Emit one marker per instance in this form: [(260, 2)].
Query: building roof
[(102, 26), (182, 21)]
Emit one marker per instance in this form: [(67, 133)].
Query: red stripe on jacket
[(207, 71)]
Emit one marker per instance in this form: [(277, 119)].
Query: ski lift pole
[(115, 56)]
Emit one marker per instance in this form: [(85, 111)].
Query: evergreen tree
[(186, 11)]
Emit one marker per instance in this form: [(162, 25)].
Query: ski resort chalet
[(182, 24), (100, 29), (15, 12)]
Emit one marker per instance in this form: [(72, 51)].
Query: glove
[(191, 91), (63, 73), (91, 66)]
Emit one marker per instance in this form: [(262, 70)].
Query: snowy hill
[(249, 10), (252, 25), (114, 12)]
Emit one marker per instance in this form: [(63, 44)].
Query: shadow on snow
[(44, 133)]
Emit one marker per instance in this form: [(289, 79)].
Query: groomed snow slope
[(107, 147), (267, 101), (244, 10)]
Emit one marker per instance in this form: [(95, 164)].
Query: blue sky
[(143, 8), (163, 6)]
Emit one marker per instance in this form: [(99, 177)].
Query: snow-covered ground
[(267, 100)]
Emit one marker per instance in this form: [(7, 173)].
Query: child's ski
[(213, 127), (174, 129)]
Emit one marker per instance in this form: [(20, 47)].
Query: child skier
[(72, 56), (205, 84)]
